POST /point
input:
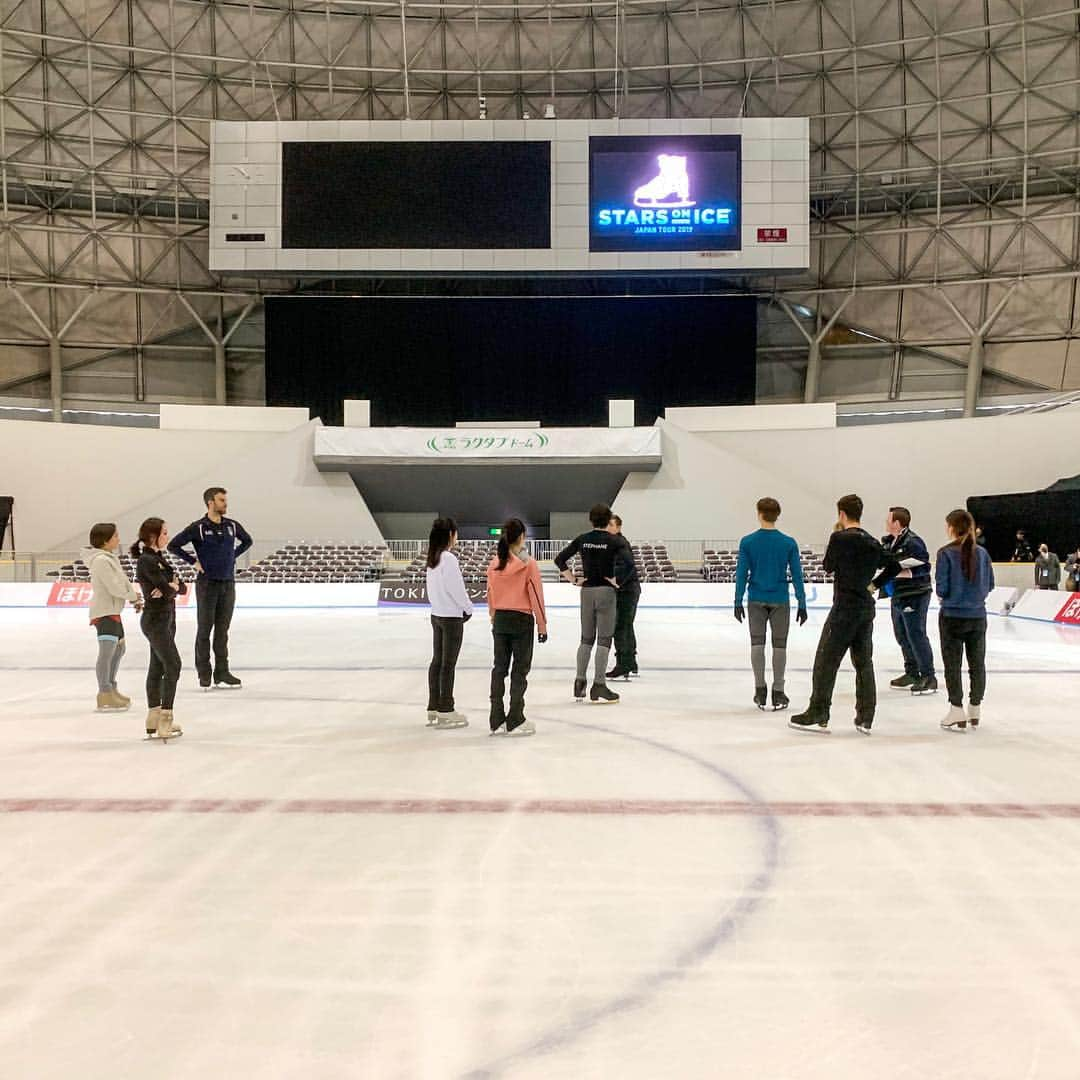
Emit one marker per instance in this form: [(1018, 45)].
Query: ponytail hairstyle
[(512, 531), (149, 531), (963, 525), (442, 529)]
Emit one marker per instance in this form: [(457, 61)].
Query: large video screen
[(416, 194), (665, 193), (434, 360)]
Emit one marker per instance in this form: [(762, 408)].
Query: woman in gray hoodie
[(111, 590)]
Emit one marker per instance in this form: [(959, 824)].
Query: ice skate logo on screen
[(670, 187)]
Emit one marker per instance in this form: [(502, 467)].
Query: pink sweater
[(517, 588)]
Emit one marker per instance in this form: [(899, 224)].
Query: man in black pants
[(626, 601), (217, 541), (853, 557)]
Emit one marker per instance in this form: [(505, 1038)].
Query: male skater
[(767, 557), (626, 601), (853, 557), (217, 541), (604, 559), (910, 593)]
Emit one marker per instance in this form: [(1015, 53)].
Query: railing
[(45, 566)]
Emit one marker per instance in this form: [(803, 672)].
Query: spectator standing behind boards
[(1072, 572), (1047, 569), (964, 576), (217, 541), (1022, 552), (111, 590)]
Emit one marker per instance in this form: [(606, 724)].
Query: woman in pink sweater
[(515, 595)]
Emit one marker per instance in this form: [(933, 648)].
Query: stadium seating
[(720, 566)]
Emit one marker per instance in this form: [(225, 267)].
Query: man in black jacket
[(854, 558), (626, 601), (604, 560), (217, 541), (910, 592)]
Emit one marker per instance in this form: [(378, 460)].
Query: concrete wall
[(65, 477), (709, 481)]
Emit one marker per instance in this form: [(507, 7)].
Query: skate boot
[(450, 719), (670, 187), (431, 714), (925, 685), (862, 726), (974, 715), (810, 722), (780, 700), (601, 695), (107, 701), (121, 697), (521, 730), (579, 689), (634, 671), (166, 728), (205, 683), (618, 672), (761, 697), (954, 719), (227, 681), (153, 717), (905, 682)]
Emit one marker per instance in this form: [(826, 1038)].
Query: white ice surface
[(611, 940)]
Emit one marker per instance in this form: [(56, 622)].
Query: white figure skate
[(672, 180)]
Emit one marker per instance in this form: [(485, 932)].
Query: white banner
[(463, 446)]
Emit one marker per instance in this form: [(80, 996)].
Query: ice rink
[(311, 884)]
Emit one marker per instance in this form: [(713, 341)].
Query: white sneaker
[(450, 720), (974, 715), (955, 720), (527, 728)]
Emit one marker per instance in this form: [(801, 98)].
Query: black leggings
[(957, 637), (161, 679), (446, 633)]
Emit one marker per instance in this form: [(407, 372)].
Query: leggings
[(777, 618), (597, 627), (164, 672), (446, 633)]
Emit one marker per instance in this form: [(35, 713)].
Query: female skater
[(515, 596), (964, 576), (451, 609), (111, 590), (160, 587)]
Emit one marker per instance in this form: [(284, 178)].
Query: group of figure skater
[(768, 570), (216, 542)]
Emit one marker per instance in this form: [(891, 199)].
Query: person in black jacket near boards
[(910, 595), (160, 587), (626, 601), (217, 541), (604, 559), (854, 558)]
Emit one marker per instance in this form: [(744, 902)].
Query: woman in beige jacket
[(111, 590)]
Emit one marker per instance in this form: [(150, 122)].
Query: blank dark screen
[(436, 360), (416, 194)]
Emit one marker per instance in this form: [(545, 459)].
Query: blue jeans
[(909, 626)]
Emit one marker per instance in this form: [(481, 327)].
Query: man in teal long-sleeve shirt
[(766, 559)]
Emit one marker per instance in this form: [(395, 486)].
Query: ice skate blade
[(112, 708), (647, 203), (163, 738), (808, 729)]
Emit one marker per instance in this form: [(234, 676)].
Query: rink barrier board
[(677, 595)]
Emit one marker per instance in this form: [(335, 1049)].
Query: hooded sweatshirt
[(517, 588), (111, 585)]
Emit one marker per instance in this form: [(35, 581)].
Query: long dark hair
[(512, 531), (442, 529), (149, 531), (963, 524)]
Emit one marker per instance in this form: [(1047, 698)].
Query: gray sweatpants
[(777, 617), (598, 608)]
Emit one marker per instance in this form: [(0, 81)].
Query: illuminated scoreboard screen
[(665, 193)]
